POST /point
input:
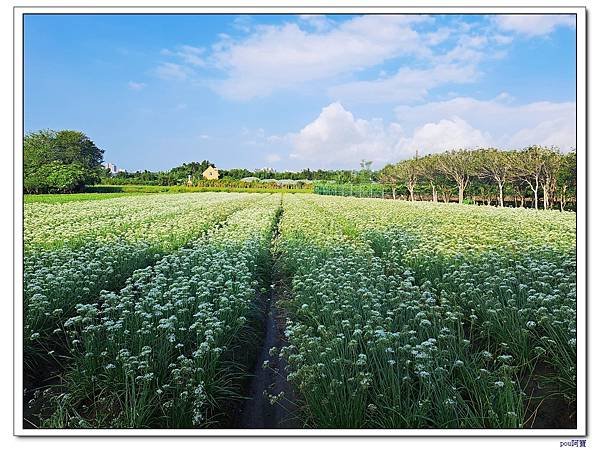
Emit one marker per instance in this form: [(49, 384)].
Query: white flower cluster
[(164, 341), (413, 309)]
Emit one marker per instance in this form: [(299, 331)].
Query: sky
[(296, 91)]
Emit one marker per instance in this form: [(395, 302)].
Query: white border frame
[(226, 8)]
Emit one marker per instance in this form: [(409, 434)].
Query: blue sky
[(290, 92)]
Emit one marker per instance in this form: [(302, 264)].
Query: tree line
[(179, 175), (535, 177)]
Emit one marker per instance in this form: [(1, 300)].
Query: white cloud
[(559, 132), (336, 138), (135, 86), (532, 24), (318, 21), (509, 124), (192, 55), (281, 56), (445, 135), (406, 85), (317, 49), (172, 71)]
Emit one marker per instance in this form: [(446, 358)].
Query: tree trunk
[(501, 194), (394, 192), (434, 197), (412, 194)]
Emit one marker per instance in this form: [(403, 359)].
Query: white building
[(113, 168)]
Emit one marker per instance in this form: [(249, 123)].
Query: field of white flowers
[(146, 310)]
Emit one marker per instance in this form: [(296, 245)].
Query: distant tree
[(529, 165), (496, 166), (428, 170), (458, 166), (237, 174), (566, 177), (390, 176), (551, 165), (365, 174), (408, 171), (60, 161)]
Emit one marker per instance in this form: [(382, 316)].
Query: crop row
[(513, 272), (55, 280), (161, 352), (162, 219), (396, 326)]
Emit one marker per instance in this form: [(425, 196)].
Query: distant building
[(211, 173), (112, 168)]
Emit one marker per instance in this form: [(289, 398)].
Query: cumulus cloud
[(336, 138), (533, 24), (509, 124), (319, 22), (444, 135)]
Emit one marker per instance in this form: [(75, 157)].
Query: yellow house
[(211, 173)]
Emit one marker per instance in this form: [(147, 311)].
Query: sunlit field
[(148, 311)]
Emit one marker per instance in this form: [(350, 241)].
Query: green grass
[(65, 198)]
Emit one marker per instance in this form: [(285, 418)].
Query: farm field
[(155, 311)]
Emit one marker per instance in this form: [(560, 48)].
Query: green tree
[(529, 165), (428, 171), (457, 165), (389, 176), (566, 178), (495, 166), (409, 174), (551, 165), (60, 161)]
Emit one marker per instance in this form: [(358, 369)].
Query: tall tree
[(529, 165), (457, 165), (389, 176), (408, 172), (551, 165), (494, 165), (428, 170), (566, 177)]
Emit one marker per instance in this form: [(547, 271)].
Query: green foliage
[(484, 176), (60, 161)]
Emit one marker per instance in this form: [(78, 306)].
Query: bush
[(57, 178)]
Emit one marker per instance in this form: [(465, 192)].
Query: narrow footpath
[(271, 402), (266, 406)]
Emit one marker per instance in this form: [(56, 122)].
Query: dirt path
[(261, 410)]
